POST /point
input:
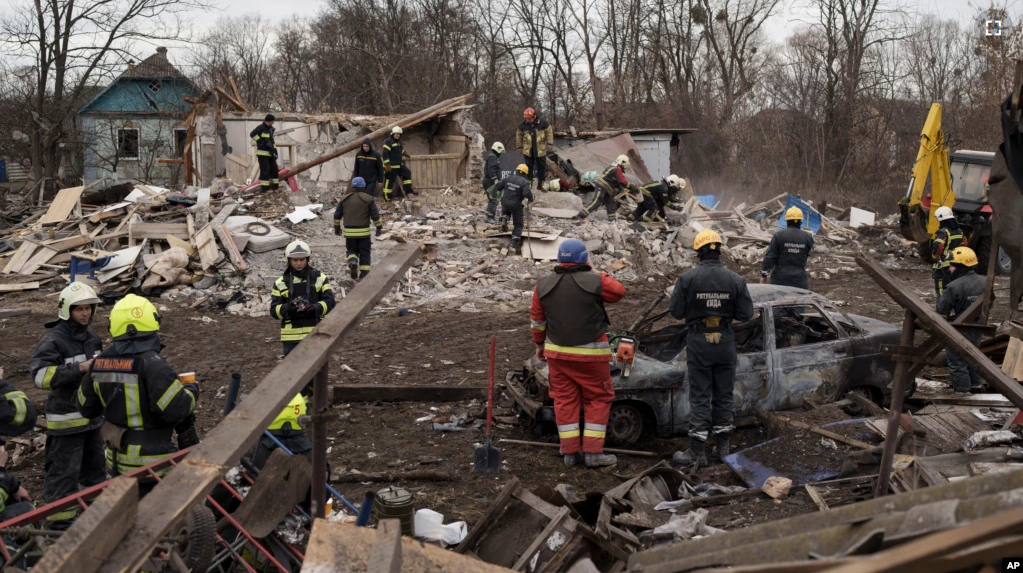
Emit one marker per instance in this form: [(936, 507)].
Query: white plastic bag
[(430, 525)]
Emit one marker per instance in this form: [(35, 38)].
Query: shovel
[(487, 458)]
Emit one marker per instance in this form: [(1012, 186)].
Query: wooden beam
[(819, 431), (237, 93), (385, 554), (899, 387), (16, 287), (382, 393), (12, 312), (230, 99), (170, 161), (224, 445), (83, 547), (231, 247)]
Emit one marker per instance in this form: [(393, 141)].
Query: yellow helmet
[(290, 414), (75, 294), (706, 237), (622, 161), (794, 214), (964, 256), (522, 168), (133, 314), (298, 250)]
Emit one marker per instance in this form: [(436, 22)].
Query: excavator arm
[(916, 219)]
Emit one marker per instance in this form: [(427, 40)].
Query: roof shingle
[(154, 67)]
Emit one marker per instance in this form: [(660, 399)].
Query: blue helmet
[(359, 183), (573, 251)]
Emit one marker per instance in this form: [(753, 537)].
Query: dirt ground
[(444, 347)]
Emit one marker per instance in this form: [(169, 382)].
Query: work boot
[(723, 446), (571, 460), (696, 455), (353, 269), (491, 219), (517, 245), (363, 274), (504, 225), (599, 460)]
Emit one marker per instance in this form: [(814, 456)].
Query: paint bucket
[(395, 503)]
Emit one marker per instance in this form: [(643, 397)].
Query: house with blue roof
[(135, 121)]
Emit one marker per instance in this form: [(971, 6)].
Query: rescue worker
[(74, 448), (946, 239), (533, 138), (786, 256), (357, 209), (287, 428), (608, 186), (709, 297), (370, 166), (491, 175), (394, 165), (137, 391), (301, 297), (963, 290), (514, 189), (17, 416), (656, 196), (266, 153), (568, 323)]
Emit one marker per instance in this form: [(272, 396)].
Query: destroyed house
[(135, 121)]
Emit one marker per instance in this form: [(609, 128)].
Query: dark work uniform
[(311, 285), (610, 183), (655, 197), (787, 255), (957, 296), (266, 155), (393, 158), (74, 449), (138, 392), (491, 175), (709, 297), (357, 210), (946, 239), (370, 166), (514, 190), (17, 416)]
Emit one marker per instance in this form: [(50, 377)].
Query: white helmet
[(298, 250), (497, 147), (75, 294), (622, 161), (673, 181), (396, 129), (944, 213), (554, 185)]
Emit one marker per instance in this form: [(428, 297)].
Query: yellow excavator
[(959, 181)]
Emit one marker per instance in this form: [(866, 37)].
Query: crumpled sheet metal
[(597, 155)]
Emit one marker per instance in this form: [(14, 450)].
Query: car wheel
[(625, 424), (1004, 263)]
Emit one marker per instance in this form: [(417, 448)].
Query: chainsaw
[(626, 351)]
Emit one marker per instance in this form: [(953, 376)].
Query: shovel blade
[(486, 458)]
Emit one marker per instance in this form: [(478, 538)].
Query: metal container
[(395, 503)]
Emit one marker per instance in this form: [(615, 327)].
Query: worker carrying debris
[(370, 166), (946, 239), (266, 153), (74, 448), (394, 165), (287, 428), (491, 175), (607, 187), (709, 297), (356, 210), (569, 324), (963, 290), (514, 189), (786, 256), (533, 139), (301, 297), (17, 416), (656, 196), (137, 391)]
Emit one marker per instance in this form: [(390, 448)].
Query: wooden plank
[(386, 393), (237, 93), (224, 445), (816, 497), (69, 243), (385, 554), (158, 230), (821, 432), (42, 256), (176, 242), (206, 244), (62, 206), (84, 546), (13, 312), (17, 287), (484, 523), (21, 256), (232, 249)]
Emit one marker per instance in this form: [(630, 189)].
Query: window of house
[(128, 143), (155, 85), (797, 325)]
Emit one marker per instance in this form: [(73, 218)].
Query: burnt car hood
[(872, 325)]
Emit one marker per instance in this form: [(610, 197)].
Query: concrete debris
[(777, 487), (692, 525)]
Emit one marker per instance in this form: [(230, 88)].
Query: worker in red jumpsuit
[(569, 326)]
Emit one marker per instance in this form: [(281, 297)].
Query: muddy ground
[(444, 347)]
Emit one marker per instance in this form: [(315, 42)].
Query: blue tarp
[(811, 218), (708, 201)]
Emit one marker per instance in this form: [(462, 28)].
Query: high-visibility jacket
[(357, 210), (393, 153), (614, 176), (136, 390), (17, 416), (311, 285), (567, 314), (54, 367), (946, 240), (263, 135), (533, 138)]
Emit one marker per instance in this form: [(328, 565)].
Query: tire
[(625, 424), (200, 526), (1004, 263)]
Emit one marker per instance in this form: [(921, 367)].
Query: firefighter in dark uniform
[(394, 165), (491, 175), (74, 448), (357, 209), (370, 166), (287, 428), (710, 297), (946, 239), (609, 185), (301, 297), (964, 289), (656, 196), (137, 391), (266, 153), (17, 416), (514, 189), (788, 252)]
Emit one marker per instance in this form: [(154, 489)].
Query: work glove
[(380, 231), (296, 306), (337, 230), (187, 435), (405, 154), (387, 168)]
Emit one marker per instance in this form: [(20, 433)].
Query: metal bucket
[(395, 503)]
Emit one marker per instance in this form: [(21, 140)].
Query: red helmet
[(530, 113)]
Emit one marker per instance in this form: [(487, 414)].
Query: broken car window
[(795, 325), (749, 335)]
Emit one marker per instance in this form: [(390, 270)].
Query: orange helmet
[(530, 113)]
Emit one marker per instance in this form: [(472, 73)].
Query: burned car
[(797, 346)]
